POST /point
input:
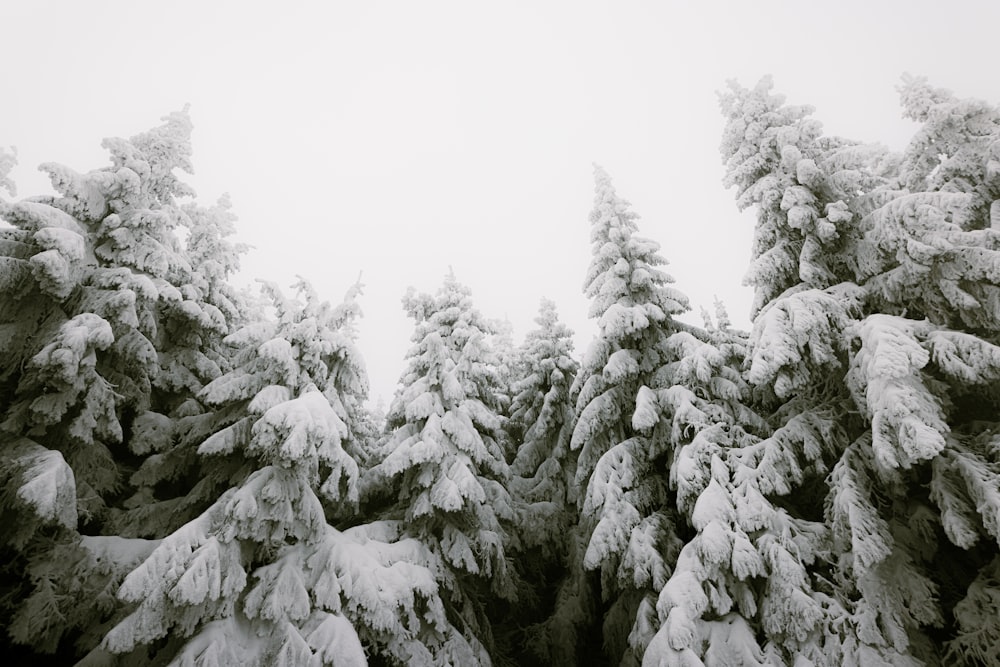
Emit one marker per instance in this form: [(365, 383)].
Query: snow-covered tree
[(97, 279), (442, 463), (923, 373), (176, 483), (508, 364), (621, 527), (542, 472), (261, 577), (85, 272), (816, 536), (744, 553)]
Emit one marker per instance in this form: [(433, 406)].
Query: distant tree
[(507, 361), (542, 473), (541, 419), (442, 468)]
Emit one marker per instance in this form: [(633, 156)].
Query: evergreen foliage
[(864, 262)]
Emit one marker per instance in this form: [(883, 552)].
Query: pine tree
[(816, 536), (542, 474), (96, 278), (443, 461), (621, 527), (261, 577)]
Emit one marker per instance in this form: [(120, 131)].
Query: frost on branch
[(633, 540), (881, 559), (57, 242), (978, 618), (925, 252), (47, 483), (307, 428), (74, 593), (800, 336), (391, 586), (885, 379), (63, 375), (190, 577), (951, 148), (40, 480), (855, 520), (965, 484)]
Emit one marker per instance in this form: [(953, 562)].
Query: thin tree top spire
[(623, 267), (610, 211)]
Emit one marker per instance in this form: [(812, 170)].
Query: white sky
[(398, 138)]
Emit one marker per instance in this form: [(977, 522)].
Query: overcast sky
[(396, 139)]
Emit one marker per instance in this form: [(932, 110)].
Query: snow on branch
[(907, 418)]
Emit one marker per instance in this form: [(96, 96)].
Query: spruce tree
[(97, 278), (620, 508), (831, 523), (442, 469), (262, 576), (542, 475)]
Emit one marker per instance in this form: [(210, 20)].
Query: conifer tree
[(262, 577), (508, 363), (96, 279), (864, 268), (87, 270), (621, 529), (443, 463), (767, 570), (542, 473)]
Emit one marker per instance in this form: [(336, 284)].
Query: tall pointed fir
[(96, 279), (442, 471), (508, 367), (871, 357), (625, 525), (745, 572), (542, 474)]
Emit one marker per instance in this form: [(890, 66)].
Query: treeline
[(190, 474)]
